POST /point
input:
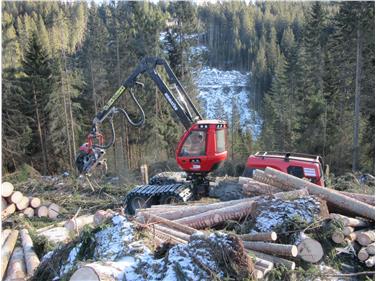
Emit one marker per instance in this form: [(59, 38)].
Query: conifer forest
[(307, 70)]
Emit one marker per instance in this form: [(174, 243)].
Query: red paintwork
[(211, 159), (279, 162)]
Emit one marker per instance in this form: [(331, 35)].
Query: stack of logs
[(356, 233), (176, 224), (12, 201), (354, 211), (17, 263)]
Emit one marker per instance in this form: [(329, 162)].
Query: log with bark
[(272, 248), (15, 197), (6, 189), (29, 212), (170, 231), (101, 216), (7, 250), (348, 221), (76, 224), (261, 236), (365, 238), (261, 176), (368, 199), (31, 259), (23, 203), (371, 249), (264, 266), (186, 211), (309, 249), (8, 211), (107, 271), (41, 212), (16, 269), (363, 254), (253, 187), (4, 235), (291, 195), (149, 218), (331, 196), (214, 217), (290, 265), (53, 211), (35, 202)]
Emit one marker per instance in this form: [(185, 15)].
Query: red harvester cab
[(296, 164), (203, 147)]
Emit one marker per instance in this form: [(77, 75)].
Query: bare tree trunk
[(355, 162), (93, 87), (40, 132)]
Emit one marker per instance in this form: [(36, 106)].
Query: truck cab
[(306, 166)]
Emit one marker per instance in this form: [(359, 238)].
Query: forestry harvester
[(201, 149)]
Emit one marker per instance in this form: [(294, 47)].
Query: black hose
[(133, 123)]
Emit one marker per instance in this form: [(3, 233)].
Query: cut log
[(253, 187), (347, 221), (56, 235), (29, 212), (101, 216), (98, 272), (290, 265), (263, 265), (183, 212), (23, 203), (262, 236), (167, 237), (338, 237), (365, 238), (16, 269), (172, 232), (371, 249), (7, 250), (6, 189), (8, 211), (363, 254), (370, 262), (15, 197), (4, 235), (309, 250), (4, 203), (258, 274), (35, 202), (332, 196), (291, 195), (31, 259), (351, 237), (149, 218), (214, 217), (272, 248), (42, 212), (347, 230), (53, 211), (368, 199), (261, 176), (76, 224)]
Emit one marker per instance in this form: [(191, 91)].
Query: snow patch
[(221, 92)]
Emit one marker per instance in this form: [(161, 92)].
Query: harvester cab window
[(195, 144), (220, 138)]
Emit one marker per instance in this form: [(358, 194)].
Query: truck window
[(296, 171)]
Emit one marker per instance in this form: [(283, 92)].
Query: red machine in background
[(201, 149)]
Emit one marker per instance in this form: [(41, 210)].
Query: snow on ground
[(221, 92)]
